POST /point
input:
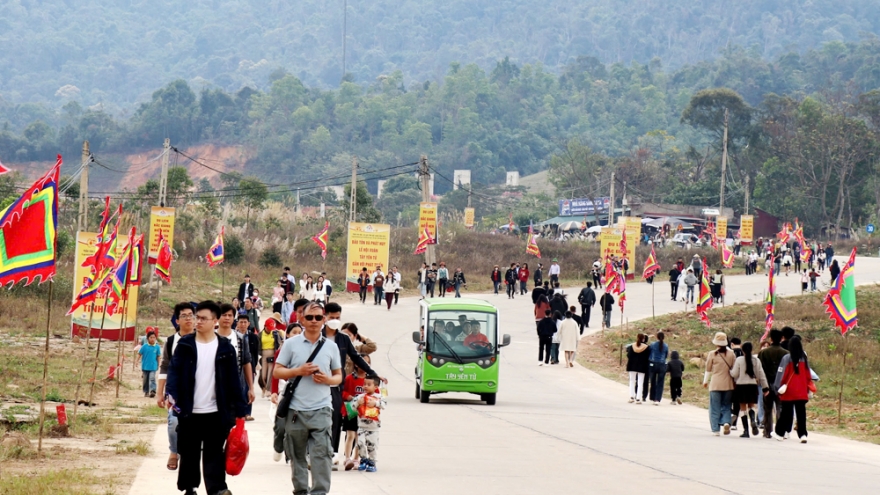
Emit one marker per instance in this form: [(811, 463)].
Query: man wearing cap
[(346, 350), (554, 273), (246, 289), (239, 341)]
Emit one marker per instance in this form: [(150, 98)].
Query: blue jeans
[(554, 353), (689, 295), (657, 379), (607, 316), (719, 408), (149, 381), (775, 269), (457, 287), (497, 286), (172, 432)]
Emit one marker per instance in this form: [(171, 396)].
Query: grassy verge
[(824, 346), (60, 482)]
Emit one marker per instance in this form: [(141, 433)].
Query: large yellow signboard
[(746, 229), (85, 247), (428, 218), (161, 219), (367, 247), (721, 228), (469, 218)]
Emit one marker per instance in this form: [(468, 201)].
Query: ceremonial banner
[(840, 302), (531, 244), (633, 226), (469, 218), (746, 229), (322, 239), (86, 245), (704, 299), (161, 219), (367, 247), (651, 266), (428, 218), (721, 229)]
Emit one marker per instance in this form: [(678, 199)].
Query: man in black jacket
[(510, 279), (346, 350), (546, 329), (606, 302), (537, 292), (770, 359), (587, 298), (245, 290), (204, 387)]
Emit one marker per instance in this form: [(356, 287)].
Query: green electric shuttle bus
[(458, 346)]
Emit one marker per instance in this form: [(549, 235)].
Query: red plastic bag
[(237, 448)]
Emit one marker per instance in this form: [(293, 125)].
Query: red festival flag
[(217, 253), (3, 169), (651, 266), (28, 230), (164, 259), (531, 244), (704, 301), (727, 257), (322, 239), (424, 240), (770, 306), (840, 302)]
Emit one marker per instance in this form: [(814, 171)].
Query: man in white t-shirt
[(205, 390), (554, 273)]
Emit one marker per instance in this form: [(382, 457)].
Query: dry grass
[(60, 482), (823, 344)]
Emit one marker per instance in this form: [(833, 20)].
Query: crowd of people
[(755, 387), (210, 367)]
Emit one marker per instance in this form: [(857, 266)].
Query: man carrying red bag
[(204, 387)]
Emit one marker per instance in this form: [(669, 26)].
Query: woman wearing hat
[(717, 378)]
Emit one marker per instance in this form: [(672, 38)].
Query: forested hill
[(116, 52)]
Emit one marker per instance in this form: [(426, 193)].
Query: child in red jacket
[(351, 388)]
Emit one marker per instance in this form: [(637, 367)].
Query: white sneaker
[(716, 433), (639, 401), (785, 436), (803, 439), (540, 363), (656, 402), (631, 400), (276, 456)]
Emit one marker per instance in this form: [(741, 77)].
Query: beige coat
[(568, 335), (718, 368), (740, 377)]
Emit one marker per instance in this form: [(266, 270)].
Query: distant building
[(512, 179), (461, 177)]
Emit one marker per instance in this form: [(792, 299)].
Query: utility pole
[(746, 212), (298, 207), (344, 35), (470, 188), (723, 163), (611, 206), (82, 221), (425, 179), (353, 197), (163, 178)]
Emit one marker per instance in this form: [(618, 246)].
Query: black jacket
[(637, 361), (347, 350), (546, 327), (606, 302), (182, 379), (587, 297), (510, 276), (559, 304), (537, 292), (241, 292), (538, 277)]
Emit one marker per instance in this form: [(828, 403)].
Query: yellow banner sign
[(609, 241), (367, 248), (161, 219), (721, 228), (428, 218), (469, 218), (633, 227), (746, 229), (85, 247)]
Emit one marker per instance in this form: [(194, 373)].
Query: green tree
[(365, 211), (252, 194)]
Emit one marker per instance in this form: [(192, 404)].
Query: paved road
[(555, 430)]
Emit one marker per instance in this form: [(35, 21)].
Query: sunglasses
[(313, 317)]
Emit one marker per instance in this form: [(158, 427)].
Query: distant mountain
[(115, 52)]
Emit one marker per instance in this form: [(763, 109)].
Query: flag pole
[(652, 300), (45, 370), (840, 393), (82, 368), (120, 354), (98, 352)]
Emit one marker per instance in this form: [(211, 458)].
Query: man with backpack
[(587, 298), (184, 317)]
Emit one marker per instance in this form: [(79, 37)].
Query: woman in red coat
[(523, 278), (794, 385)]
